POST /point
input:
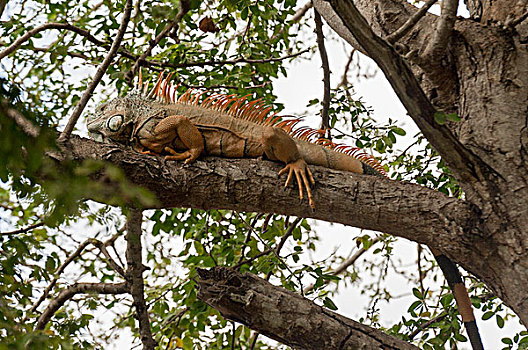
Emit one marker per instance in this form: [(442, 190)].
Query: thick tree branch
[(70, 292), (98, 74), (297, 321), (399, 208), (464, 164), (134, 273)]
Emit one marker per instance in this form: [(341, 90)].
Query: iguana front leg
[(171, 129), (278, 145)]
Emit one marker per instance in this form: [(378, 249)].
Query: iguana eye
[(115, 122)]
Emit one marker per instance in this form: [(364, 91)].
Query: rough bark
[(483, 77), (285, 316), (404, 209)]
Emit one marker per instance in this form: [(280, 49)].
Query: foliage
[(45, 78)]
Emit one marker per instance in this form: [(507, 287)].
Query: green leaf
[(329, 303), (399, 131), (453, 117), (487, 315), (500, 321), (440, 118), (507, 341)]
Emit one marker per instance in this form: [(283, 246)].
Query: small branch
[(444, 28), (407, 26), (134, 274), (184, 7), (425, 325), (224, 62), (515, 22), (70, 292), (72, 257), (325, 123), (99, 74), (344, 78), (47, 26), (345, 265), (23, 123), (22, 230)]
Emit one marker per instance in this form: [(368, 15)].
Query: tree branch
[(444, 27), (70, 292), (31, 33), (407, 26), (22, 230), (325, 123), (369, 202), (184, 8), (252, 301), (98, 74), (134, 274), (71, 258), (345, 265), (466, 166)]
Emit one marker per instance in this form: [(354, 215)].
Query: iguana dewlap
[(220, 125)]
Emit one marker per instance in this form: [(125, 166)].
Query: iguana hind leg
[(278, 145), (173, 128)]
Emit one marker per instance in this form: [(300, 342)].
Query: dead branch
[(297, 321)]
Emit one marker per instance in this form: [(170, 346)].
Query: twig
[(514, 22), (224, 62), (278, 249), (296, 17), (344, 78), (325, 123), (11, 48), (233, 336), (425, 325), (99, 74), (22, 230), (444, 28), (184, 7), (65, 295), (134, 274), (411, 22), (342, 268), (23, 123), (70, 258)]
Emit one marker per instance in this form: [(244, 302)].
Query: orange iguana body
[(224, 126)]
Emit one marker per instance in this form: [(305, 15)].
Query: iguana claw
[(304, 177)]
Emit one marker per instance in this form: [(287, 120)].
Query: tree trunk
[(483, 77)]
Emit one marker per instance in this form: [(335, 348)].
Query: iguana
[(156, 122)]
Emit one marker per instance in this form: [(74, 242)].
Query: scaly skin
[(218, 126), (230, 127)]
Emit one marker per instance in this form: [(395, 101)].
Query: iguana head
[(116, 118)]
